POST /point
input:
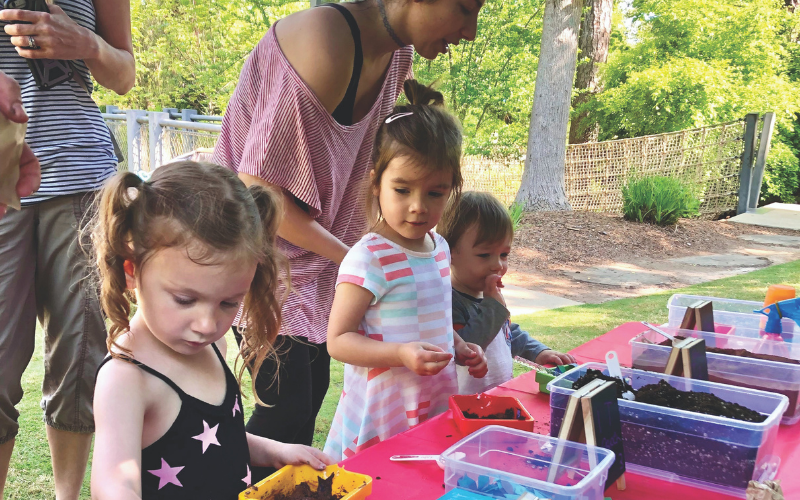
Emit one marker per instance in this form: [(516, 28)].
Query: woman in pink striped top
[(303, 119)]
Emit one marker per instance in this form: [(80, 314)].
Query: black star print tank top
[(204, 454)]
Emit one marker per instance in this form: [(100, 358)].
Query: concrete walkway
[(781, 215), (524, 301)]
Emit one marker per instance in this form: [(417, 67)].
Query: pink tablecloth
[(425, 480)]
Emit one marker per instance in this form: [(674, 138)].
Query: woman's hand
[(56, 35), (30, 174), (108, 53)]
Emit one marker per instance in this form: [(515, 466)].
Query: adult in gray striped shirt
[(42, 270)]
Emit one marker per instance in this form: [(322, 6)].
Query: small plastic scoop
[(659, 331), (414, 458), (612, 361)]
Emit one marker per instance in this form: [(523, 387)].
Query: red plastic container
[(483, 405)]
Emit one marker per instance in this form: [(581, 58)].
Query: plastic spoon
[(615, 371), (438, 458), (659, 331)]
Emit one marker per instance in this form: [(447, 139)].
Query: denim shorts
[(45, 273)]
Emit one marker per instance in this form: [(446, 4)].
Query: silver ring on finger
[(31, 42)]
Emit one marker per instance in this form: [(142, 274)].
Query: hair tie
[(144, 175), (392, 118)]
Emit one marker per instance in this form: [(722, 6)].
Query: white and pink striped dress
[(275, 128), (412, 303)]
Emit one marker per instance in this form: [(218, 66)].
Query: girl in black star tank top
[(190, 245)]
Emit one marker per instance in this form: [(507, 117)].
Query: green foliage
[(659, 200), (489, 82), (189, 53), (690, 63), (516, 211), (781, 174)]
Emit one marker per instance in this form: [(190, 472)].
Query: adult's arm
[(299, 228), (108, 53)]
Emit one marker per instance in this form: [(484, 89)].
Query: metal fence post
[(156, 138), (134, 139), (189, 140), (761, 160), (745, 172), (113, 110)]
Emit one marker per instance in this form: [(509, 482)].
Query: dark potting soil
[(590, 375), (742, 353), (303, 491), (663, 394), (509, 414), (693, 456), (726, 372)]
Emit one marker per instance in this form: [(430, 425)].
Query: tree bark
[(593, 47), (542, 185)]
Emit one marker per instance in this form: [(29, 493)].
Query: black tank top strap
[(343, 113), (151, 371)]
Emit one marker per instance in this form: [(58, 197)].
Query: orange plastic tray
[(355, 486), (483, 405)]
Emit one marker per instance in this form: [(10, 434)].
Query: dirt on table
[(548, 244)]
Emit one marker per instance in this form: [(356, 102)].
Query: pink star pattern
[(246, 478), (236, 406), (208, 436), (167, 474)]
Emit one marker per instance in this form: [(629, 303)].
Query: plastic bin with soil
[(734, 366), (684, 448)]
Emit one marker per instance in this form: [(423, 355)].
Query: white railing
[(151, 138)]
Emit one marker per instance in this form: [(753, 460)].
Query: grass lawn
[(31, 476)]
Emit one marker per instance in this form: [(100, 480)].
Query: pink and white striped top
[(275, 128)]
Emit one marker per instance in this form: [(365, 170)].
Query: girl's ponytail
[(111, 238), (418, 94), (262, 308)]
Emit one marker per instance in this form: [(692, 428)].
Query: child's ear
[(130, 275), (376, 190)]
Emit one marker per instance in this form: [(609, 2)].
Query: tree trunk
[(593, 47), (543, 179)]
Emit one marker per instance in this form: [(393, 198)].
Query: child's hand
[(423, 358), (492, 287), (471, 355), (551, 357), (298, 454)]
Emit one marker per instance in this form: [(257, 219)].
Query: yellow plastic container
[(355, 486)]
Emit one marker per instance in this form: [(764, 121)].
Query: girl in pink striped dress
[(391, 321)]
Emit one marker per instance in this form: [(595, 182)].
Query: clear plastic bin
[(766, 375), (730, 312), (703, 451), (520, 461)]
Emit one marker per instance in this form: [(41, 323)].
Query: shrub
[(660, 200), (780, 175), (515, 211)]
